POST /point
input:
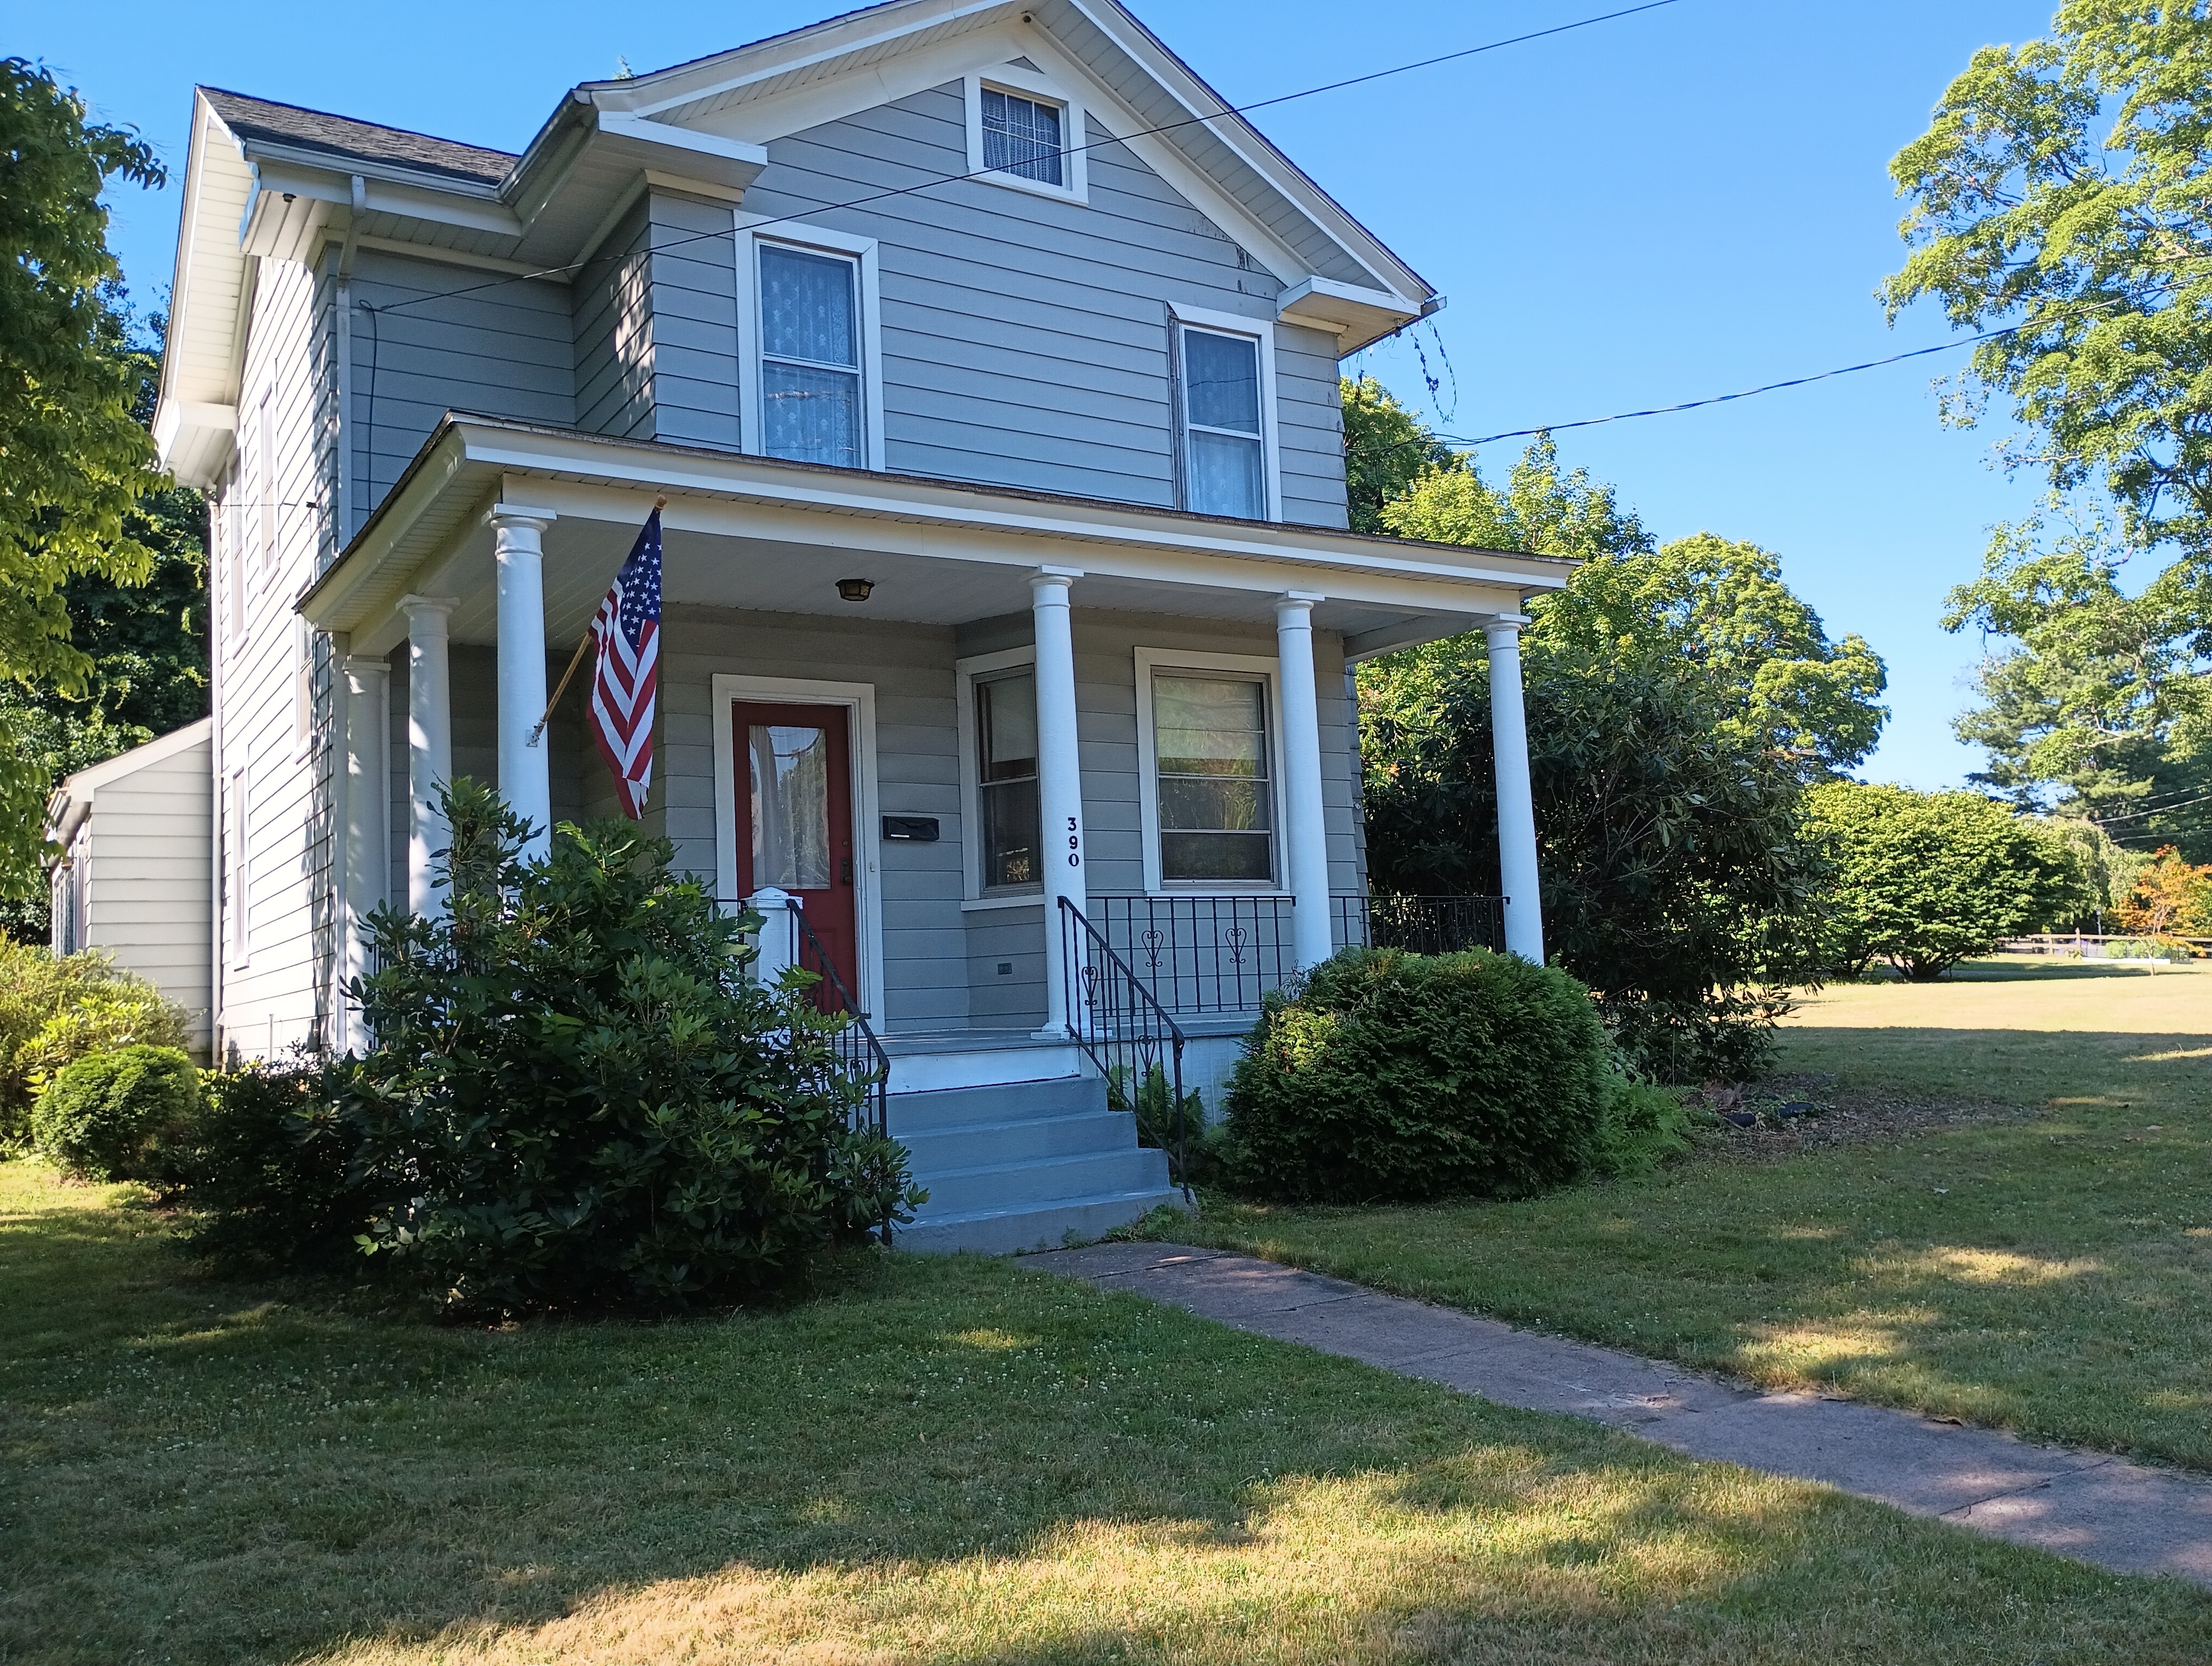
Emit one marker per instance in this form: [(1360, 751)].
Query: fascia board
[(901, 515), (671, 91), (89, 780), (1253, 148), (279, 170)]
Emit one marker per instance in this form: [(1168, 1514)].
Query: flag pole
[(575, 661)]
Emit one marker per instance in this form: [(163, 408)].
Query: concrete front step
[(913, 1114), (980, 1145), (1048, 1226), (1043, 1180)]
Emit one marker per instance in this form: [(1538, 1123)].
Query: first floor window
[(810, 356), (1216, 799), (238, 854), (1022, 137), (1007, 792), (1222, 465)]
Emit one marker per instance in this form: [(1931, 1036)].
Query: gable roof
[(71, 799), (346, 140), (271, 180)]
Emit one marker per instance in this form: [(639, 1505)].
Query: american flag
[(628, 685)]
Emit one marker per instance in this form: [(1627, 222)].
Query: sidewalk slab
[(2088, 1505)]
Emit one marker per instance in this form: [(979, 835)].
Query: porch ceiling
[(750, 533)]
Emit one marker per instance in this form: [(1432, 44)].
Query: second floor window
[(1022, 137), (1222, 471), (1006, 793), (810, 409)]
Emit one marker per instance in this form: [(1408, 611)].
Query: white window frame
[(1271, 458), (1074, 132), (237, 825), (269, 528), (1267, 670), (859, 700), (813, 239), (984, 666)]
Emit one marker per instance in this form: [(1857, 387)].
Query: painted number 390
[(1074, 844)]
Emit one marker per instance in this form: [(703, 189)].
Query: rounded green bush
[(106, 1116), (1402, 1077)]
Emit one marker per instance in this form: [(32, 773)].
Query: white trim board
[(859, 699), (1270, 671), (861, 250), (1074, 132), (965, 673)]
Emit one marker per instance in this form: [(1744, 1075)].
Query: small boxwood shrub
[(57, 1008), (112, 1115), (1392, 1076)]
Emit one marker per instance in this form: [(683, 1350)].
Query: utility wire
[(977, 173)]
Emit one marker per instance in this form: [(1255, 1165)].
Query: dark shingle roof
[(356, 141)]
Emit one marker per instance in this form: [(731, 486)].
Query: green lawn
[(2048, 1269), (939, 1460)]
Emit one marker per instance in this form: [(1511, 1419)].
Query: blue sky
[(1677, 205)]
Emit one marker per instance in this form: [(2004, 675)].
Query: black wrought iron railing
[(1126, 1032), (1420, 925), (859, 1049), (1201, 954)]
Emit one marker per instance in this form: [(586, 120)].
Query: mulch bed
[(1810, 1111)]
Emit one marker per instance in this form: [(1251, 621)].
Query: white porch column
[(368, 826), (1305, 827), (1060, 778), (525, 780), (1517, 808), (429, 741)]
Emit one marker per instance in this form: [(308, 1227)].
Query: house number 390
[(1074, 844)]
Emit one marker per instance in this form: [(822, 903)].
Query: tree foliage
[(1386, 448), (1924, 880), (2061, 194), (78, 460), (2171, 897)]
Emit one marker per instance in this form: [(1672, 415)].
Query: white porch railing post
[(368, 825), (1060, 779), (779, 934), (1306, 824), (429, 742), (1517, 808), (525, 780)]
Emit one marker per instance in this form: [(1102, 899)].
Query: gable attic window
[(1022, 137), (1027, 131)]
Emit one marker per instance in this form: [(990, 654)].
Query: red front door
[(795, 819)]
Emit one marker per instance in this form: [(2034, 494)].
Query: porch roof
[(770, 535)]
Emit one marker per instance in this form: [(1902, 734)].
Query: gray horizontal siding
[(502, 348), (612, 320), (695, 321)]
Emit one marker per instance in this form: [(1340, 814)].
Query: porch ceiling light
[(855, 590)]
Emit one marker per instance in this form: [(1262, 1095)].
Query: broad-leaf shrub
[(115, 1116), (57, 1008), (576, 1096), (267, 1167), (1390, 1075)]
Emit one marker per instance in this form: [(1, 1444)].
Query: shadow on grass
[(941, 1460)]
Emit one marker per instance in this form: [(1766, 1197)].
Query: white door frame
[(859, 700)]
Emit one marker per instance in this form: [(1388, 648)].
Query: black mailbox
[(921, 829)]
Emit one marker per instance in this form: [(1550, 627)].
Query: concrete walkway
[(2087, 1506)]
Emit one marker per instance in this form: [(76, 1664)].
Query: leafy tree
[(1720, 606), (2059, 195), (2100, 697), (1925, 880), (2170, 897), (77, 461), (1386, 449)]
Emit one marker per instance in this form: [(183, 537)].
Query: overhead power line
[(976, 173)]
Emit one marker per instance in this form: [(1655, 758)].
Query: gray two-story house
[(986, 366)]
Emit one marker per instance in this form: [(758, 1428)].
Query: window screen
[(1022, 137), (1221, 433), (1215, 801), (810, 356), (1006, 791)]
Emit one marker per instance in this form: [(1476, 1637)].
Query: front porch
[(1031, 717)]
